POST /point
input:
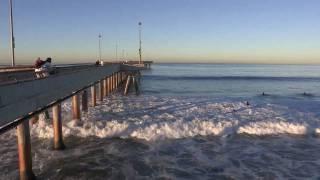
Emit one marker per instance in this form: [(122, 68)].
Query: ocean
[(190, 121)]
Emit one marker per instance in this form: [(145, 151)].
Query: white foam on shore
[(270, 128), (171, 118)]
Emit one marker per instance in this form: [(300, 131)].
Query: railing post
[(93, 96), (101, 90), (76, 107), (57, 128), (24, 150), (84, 101)]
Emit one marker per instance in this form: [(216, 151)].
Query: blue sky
[(217, 31)]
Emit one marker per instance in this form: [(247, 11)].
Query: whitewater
[(188, 128)]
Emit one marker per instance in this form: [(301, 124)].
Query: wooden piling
[(101, 90), (84, 101), (57, 127), (93, 96), (76, 107), (24, 150)]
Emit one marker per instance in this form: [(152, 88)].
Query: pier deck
[(23, 97)]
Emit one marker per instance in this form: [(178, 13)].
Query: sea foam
[(158, 118)]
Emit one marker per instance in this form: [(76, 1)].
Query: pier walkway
[(23, 97)]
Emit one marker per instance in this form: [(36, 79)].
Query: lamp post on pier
[(100, 47), (140, 50), (11, 35)]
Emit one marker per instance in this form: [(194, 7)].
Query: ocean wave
[(156, 118)]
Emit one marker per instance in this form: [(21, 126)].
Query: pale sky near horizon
[(211, 31)]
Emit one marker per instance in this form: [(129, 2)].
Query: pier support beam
[(57, 128), (93, 96), (101, 90), (117, 80), (135, 83), (114, 82), (84, 101), (112, 85), (126, 89), (105, 87), (121, 77), (109, 85), (76, 107), (24, 149)]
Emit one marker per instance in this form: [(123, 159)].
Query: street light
[(11, 35), (140, 50), (100, 47)]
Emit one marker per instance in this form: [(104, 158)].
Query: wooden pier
[(23, 97)]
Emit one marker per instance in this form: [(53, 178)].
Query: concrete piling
[(76, 107), (101, 90), (135, 83), (116, 80), (24, 150), (84, 101), (93, 96), (112, 77), (105, 87), (126, 89), (57, 128), (109, 85)]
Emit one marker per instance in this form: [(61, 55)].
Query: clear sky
[(217, 31)]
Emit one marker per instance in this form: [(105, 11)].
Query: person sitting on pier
[(97, 63), (38, 67), (47, 68), (42, 70)]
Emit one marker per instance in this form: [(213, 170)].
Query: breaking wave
[(155, 118)]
